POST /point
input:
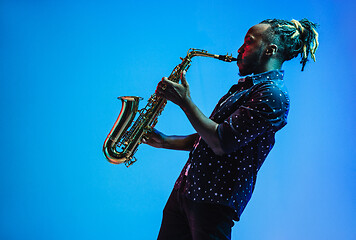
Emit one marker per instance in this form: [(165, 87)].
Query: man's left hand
[(175, 92)]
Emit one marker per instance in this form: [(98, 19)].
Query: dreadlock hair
[(293, 37)]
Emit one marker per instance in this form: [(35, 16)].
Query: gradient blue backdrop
[(62, 65)]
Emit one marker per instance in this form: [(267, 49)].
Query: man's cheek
[(247, 49)]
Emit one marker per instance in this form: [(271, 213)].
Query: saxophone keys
[(129, 162)]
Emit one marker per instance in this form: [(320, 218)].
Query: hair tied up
[(294, 37), (298, 25)]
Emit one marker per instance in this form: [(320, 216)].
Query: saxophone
[(121, 144)]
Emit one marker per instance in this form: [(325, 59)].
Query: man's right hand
[(155, 138)]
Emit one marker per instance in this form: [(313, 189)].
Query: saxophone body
[(122, 142)]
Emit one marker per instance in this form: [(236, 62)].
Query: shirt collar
[(270, 75)]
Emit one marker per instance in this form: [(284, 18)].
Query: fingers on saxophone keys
[(161, 88), (162, 84), (165, 81)]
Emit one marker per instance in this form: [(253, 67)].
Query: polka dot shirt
[(249, 115)]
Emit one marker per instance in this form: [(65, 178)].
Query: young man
[(230, 146)]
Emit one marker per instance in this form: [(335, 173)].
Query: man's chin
[(243, 73)]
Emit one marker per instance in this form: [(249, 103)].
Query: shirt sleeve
[(265, 110)]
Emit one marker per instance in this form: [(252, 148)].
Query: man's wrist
[(187, 105)]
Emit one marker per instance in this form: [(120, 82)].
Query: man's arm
[(159, 140), (180, 95)]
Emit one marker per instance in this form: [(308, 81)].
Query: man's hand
[(205, 127), (155, 138), (175, 92)]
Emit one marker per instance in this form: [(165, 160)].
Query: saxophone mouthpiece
[(226, 58)]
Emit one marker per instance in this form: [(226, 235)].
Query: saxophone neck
[(192, 52)]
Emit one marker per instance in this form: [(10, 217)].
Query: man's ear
[(271, 50)]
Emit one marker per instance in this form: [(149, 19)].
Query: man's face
[(250, 57)]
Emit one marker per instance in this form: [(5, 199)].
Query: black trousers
[(184, 219)]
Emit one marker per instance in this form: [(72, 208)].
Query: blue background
[(62, 65)]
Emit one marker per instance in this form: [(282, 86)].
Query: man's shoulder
[(270, 87)]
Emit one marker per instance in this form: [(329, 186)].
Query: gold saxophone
[(121, 144)]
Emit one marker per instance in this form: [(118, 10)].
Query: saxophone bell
[(113, 141)]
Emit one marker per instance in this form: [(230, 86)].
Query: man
[(230, 146)]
